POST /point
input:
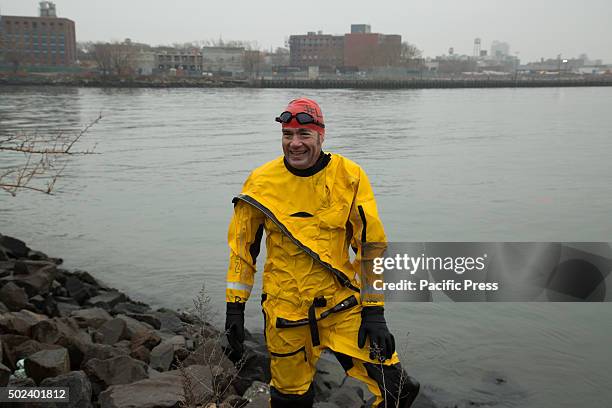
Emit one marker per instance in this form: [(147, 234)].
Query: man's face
[(301, 147)]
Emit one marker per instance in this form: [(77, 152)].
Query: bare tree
[(410, 52), (251, 62), (43, 162), (115, 58), (102, 54)]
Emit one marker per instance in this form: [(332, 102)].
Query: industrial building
[(223, 60), (316, 49), (359, 49), (189, 61), (46, 40)]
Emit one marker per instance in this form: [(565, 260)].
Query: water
[(148, 214)]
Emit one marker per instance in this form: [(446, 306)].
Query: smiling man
[(314, 207)]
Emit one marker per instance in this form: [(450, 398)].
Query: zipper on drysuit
[(341, 277)]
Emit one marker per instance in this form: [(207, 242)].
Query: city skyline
[(533, 30)]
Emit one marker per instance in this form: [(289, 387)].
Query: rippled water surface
[(149, 213)]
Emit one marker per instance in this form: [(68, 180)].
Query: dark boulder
[(14, 297), (162, 356), (106, 299), (47, 363), (112, 331), (92, 317), (164, 390), (79, 386), (66, 333), (13, 247), (36, 278), (21, 322), (78, 290), (127, 308), (45, 305), (118, 370), (147, 318)]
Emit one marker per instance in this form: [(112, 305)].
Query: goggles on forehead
[(302, 118)]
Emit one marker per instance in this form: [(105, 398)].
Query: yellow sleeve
[(244, 239), (367, 228)]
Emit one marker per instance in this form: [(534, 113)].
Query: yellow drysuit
[(311, 297)]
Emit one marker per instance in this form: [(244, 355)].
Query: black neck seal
[(322, 161)]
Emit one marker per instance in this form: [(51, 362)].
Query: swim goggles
[(302, 118)]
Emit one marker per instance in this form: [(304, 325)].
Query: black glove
[(374, 326), (234, 328)]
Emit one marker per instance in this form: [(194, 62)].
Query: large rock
[(27, 348), (169, 321), (13, 247), (211, 353), (92, 317), (328, 378), (21, 322), (147, 318), (45, 305), (14, 297), (127, 308), (112, 331), (101, 352), (5, 375), (107, 300), (165, 390), (47, 363), (118, 370), (141, 353), (348, 395), (255, 366), (78, 290), (65, 309), (37, 278), (133, 326), (148, 339), (66, 333), (79, 386), (161, 356), (8, 343)]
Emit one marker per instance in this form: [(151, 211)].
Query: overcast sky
[(533, 28)]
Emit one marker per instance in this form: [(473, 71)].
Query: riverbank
[(208, 82), (61, 328)]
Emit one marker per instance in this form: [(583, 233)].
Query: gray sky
[(533, 28)]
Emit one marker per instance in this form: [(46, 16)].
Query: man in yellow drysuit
[(313, 206)]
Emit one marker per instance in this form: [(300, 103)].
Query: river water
[(149, 212)]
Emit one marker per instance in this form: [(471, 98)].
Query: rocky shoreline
[(61, 328)]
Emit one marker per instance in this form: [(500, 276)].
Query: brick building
[(368, 50), (46, 40), (316, 49), (360, 49)]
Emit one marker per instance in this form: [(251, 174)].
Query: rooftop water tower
[(47, 9)]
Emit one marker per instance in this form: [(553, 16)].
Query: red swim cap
[(307, 106)]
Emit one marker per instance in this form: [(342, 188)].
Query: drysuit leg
[(389, 383)]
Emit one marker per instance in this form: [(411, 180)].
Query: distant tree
[(409, 52), (252, 62), (43, 159), (102, 54), (115, 58)]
